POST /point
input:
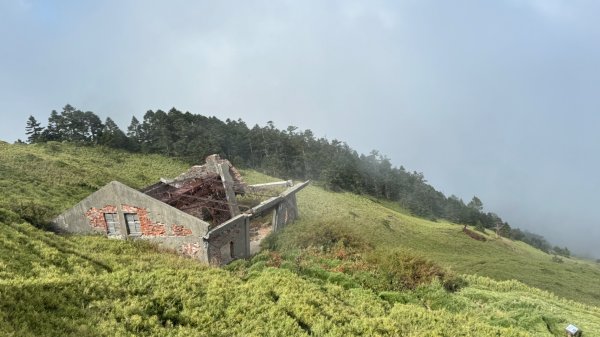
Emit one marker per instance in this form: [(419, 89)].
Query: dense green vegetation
[(288, 153), (91, 286), (350, 266)]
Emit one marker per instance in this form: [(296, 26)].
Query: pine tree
[(112, 136), (93, 127), (134, 134), (33, 130), (54, 131)]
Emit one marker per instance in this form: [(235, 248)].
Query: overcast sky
[(497, 99)]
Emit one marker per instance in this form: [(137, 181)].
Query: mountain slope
[(52, 285), (74, 285), (446, 243)]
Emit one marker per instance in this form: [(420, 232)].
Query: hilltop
[(323, 275)]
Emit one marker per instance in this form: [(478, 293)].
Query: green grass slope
[(91, 286), (58, 175), (443, 242)]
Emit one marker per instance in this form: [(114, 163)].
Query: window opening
[(112, 223), (133, 224)]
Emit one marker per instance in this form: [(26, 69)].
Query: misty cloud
[(489, 98)]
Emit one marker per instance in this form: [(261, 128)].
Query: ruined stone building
[(196, 213)]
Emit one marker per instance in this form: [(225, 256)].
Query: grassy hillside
[(91, 286), (58, 175), (328, 274), (443, 242)]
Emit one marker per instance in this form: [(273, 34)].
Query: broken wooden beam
[(223, 170)]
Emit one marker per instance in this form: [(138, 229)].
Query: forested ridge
[(289, 153)]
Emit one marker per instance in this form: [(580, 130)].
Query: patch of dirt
[(257, 234)]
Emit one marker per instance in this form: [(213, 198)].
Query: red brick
[(96, 216), (148, 227), (181, 230)]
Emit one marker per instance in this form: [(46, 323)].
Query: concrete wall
[(160, 223), (229, 241), (285, 212)]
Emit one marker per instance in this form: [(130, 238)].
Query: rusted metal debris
[(209, 191), (202, 191)]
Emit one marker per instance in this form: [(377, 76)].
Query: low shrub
[(402, 270), (270, 242), (327, 236), (36, 214), (8, 216)]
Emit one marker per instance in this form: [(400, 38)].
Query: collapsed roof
[(204, 191)]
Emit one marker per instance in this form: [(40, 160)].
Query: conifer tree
[(53, 129), (134, 134), (33, 130), (112, 135)]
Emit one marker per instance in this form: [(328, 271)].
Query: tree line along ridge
[(288, 153)]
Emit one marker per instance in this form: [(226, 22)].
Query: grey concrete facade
[(228, 241), (158, 221)]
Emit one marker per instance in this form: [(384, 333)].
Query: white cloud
[(561, 10), (356, 12), (553, 8)]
